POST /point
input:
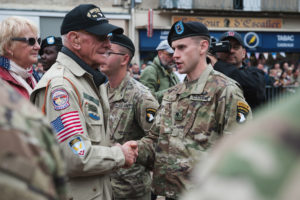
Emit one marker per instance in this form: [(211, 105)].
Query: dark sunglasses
[(29, 41)]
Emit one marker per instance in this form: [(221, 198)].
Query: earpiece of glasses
[(30, 41), (110, 52)]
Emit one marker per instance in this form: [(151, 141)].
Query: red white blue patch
[(60, 99), (77, 146), (67, 125)]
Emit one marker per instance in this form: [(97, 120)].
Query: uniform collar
[(197, 86), (119, 92)]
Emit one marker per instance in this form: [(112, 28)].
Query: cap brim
[(104, 29)]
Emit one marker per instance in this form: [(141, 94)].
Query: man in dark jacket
[(231, 64)]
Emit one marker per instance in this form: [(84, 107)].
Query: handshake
[(130, 151)]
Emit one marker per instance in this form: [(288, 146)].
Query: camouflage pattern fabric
[(132, 111), (262, 163), (31, 166), (157, 79), (192, 117)]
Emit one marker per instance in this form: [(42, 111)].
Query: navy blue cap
[(182, 29), (124, 41), (90, 18), (232, 34)]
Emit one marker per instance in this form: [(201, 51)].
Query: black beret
[(232, 34), (88, 17), (182, 29), (124, 41), (50, 41)]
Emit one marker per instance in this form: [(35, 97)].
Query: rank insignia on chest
[(150, 114), (242, 111), (77, 146), (60, 99)]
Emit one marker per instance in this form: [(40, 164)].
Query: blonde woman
[(19, 47)]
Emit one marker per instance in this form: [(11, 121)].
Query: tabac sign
[(233, 22)]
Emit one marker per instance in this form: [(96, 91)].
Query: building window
[(238, 4)]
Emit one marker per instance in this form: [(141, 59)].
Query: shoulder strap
[(45, 97)]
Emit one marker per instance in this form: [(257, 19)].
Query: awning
[(254, 41)]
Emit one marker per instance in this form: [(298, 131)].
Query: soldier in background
[(132, 111), (31, 165), (261, 163), (49, 49), (193, 115)]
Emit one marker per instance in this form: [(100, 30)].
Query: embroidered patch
[(150, 114), (77, 146), (60, 99), (67, 125), (242, 112), (90, 98), (179, 28)]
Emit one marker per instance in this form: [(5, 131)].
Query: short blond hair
[(13, 27)]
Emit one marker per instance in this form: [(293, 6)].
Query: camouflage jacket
[(262, 163), (132, 111), (157, 79), (31, 165), (192, 117)]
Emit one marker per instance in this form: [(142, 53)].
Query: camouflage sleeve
[(232, 109), (262, 163), (146, 108), (148, 143)]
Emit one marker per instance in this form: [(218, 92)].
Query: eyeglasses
[(30, 41)]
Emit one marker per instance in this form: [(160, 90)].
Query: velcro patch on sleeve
[(77, 146), (150, 114), (60, 99), (242, 111)]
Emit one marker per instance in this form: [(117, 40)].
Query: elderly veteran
[(74, 101), (132, 111), (19, 47), (193, 115)]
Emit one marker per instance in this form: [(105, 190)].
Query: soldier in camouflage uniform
[(193, 115), (132, 111), (263, 163), (31, 166)]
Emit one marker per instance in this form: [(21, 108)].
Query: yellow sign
[(233, 22)]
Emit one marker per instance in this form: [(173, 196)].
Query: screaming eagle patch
[(150, 114), (242, 112)]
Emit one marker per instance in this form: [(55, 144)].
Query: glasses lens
[(31, 41), (39, 41)]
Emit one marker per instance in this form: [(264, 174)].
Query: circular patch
[(251, 40), (60, 99), (179, 28)]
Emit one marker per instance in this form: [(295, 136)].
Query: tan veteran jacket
[(132, 111), (192, 117), (78, 112)]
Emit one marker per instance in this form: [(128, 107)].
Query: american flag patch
[(67, 125)]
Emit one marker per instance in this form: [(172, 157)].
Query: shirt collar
[(98, 77)]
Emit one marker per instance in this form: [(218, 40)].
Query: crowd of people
[(121, 134)]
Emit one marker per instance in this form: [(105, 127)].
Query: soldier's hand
[(130, 150)]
